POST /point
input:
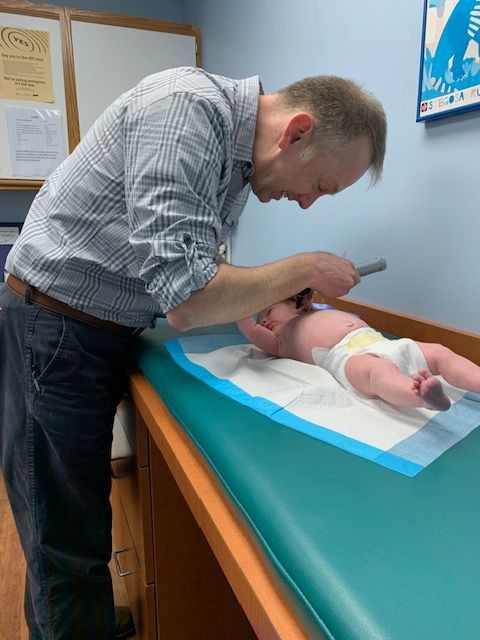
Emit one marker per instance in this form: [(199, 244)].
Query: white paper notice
[(8, 235), (36, 145)]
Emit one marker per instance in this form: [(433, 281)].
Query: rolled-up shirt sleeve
[(178, 163)]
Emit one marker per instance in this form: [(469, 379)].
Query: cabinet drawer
[(141, 597), (134, 491)]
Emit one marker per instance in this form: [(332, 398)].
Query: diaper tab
[(319, 354), (363, 339)]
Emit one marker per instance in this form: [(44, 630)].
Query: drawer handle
[(121, 573), (122, 467)]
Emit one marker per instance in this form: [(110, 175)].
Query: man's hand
[(335, 276)]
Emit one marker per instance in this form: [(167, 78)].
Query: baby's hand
[(246, 325)]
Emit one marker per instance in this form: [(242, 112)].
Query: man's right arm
[(238, 292)]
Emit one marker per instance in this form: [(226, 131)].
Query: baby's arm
[(261, 337)]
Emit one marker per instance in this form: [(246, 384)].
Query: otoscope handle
[(372, 266)]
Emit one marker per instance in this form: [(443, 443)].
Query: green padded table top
[(371, 554)]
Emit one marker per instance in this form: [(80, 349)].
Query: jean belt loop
[(28, 293)]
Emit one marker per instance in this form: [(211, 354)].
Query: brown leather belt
[(37, 297)]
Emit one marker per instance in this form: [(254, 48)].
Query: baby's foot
[(430, 391)]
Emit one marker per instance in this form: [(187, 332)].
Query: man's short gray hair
[(343, 112)]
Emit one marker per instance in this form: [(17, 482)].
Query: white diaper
[(403, 352)]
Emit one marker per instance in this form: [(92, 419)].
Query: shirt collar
[(245, 118)]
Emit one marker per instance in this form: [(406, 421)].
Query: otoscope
[(363, 269), (372, 266)]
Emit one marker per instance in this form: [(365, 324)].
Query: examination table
[(251, 529)]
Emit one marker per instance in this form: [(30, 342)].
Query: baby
[(401, 372)]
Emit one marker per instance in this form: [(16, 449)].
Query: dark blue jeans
[(60, 382)]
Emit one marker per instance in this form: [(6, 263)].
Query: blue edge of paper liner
[(408, 457)]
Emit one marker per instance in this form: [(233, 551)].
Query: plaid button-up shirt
[(131, 223)]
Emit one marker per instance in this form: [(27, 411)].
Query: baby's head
[(279, 313)]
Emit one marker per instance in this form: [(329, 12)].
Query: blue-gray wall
[(424, 217)]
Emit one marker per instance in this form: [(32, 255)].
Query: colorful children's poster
[(450, 60)]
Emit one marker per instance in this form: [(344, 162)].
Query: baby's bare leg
[(456, 369), (379, 377)]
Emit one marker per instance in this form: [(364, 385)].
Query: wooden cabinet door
[(194, 599)]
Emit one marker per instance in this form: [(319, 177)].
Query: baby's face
[(278, 314)]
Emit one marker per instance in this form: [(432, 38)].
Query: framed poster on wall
[(51, 60), (449, 80), (34, 132)]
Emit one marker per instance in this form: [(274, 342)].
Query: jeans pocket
[(46, 342)]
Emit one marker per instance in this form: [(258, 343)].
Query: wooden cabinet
[(132, 525), (176, 587), (194, 599)]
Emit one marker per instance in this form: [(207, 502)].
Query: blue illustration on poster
[(451, 60)]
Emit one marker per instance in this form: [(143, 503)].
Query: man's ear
[(299, 126)]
